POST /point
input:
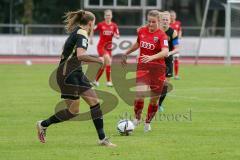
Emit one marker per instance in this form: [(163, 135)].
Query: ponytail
[(75, 18)]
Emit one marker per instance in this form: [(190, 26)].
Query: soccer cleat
[(41, 132), (176, 77), (109, 84), (95, 83), (160, 109), (106, 142), (147, 127), (136, 122)]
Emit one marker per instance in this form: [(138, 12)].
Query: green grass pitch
[(211, 93)]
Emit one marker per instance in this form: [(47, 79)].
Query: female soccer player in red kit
[(107, 30), (153, 44), (176, 25)]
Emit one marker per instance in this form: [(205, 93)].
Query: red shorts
[(104, 49), (152, 75)]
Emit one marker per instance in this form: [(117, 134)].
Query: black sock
[(60, 116), (162, 97), (97, 117)]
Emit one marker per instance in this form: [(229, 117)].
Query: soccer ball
[(125, 127)]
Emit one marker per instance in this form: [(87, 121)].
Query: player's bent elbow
[(80, 57), (80, 53)]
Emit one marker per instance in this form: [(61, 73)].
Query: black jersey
[(169, 59), (169, 33), (70, 76), (77, 39)]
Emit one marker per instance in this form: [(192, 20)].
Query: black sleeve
[(82, 41)]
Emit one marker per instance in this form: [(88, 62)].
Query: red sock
[(152, 109), (138, 107), (99, 74), (176, 66), (108, 73)]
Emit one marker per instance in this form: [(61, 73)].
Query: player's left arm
[(180, 31), (116, 32), (175, 44), (94, 29)]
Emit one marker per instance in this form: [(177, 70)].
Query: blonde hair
[(155, 13), (75, 18), (160, 14), (107, 10), (172, 12), (166, 13)]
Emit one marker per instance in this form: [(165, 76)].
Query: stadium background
[(27, 23)]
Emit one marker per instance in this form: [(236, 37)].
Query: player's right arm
[(180, 31), (82, 56), (133, 48), (116, 32), (82, 44)]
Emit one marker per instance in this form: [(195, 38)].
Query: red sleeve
[(164, 41), (96, 28), (180, 26), (116, 30), (138, 38)]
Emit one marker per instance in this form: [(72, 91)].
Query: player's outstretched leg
[(60, 116), (41, 132)]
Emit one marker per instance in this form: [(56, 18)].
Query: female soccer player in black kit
[(173, 49), (72, 81)]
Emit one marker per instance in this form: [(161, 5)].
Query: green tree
[(28, 12)]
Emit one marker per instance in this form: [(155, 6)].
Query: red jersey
[(152, 43), (106, 31), (176, 26)]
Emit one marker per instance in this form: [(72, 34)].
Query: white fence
[(52, 45)]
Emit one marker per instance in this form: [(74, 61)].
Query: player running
[(107, 30), (151, 67), (173, 49), (72, 81), (176, 25)]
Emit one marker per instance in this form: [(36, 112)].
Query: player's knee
[(74, 108), (139, 97), (107, 60)]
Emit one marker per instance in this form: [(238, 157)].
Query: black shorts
[(72, 81), (169, 66)]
